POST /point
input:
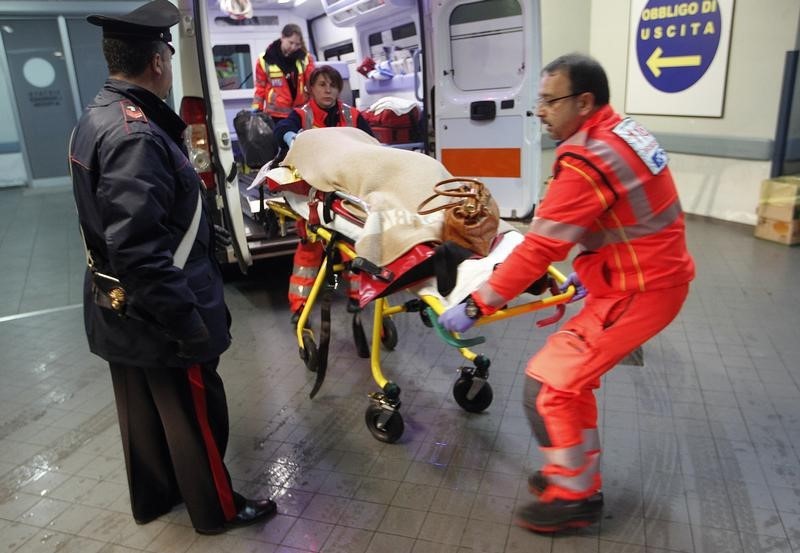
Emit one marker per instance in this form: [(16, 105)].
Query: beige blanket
[(391, 181)]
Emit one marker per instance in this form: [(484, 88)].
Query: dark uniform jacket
[(136, 194)]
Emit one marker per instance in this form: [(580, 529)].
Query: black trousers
[(174, 426)]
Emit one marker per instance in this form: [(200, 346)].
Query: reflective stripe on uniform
[(597, 239), (300, 290), (308, 117), (567, 457), (347, 115), (272, 108), (304, 271), (556, 229), (623, 174), (569, 468)]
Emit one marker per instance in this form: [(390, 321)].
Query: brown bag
[(471, 221)]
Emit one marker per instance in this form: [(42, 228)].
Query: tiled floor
[(701, 443)]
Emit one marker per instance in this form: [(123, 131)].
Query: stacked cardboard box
[(779, 210)]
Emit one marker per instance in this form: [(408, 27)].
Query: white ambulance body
[(471, 66)]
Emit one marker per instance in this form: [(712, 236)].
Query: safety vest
[(272, 94), (613, 195), (313, 116)]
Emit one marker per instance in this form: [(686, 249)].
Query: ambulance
[(468, 68)]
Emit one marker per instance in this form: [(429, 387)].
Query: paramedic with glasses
[(613, 195)]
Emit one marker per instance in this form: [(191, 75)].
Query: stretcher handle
[(448, 337)]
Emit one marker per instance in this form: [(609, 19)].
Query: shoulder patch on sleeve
[(643, 143), (132, 112)]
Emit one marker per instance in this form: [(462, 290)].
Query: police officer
[(153, 295)]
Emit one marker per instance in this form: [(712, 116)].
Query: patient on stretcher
[(346, 181)]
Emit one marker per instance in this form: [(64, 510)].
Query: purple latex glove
[(455, 319), (580, 289)]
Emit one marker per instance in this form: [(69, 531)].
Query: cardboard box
[(780, 198), (785, 232)]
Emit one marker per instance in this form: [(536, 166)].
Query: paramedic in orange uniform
[(282, 72), (613, 195), (323, 110)]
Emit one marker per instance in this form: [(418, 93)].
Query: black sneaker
[(537, 482), (559, 514)]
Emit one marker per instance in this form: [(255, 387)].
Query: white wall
[(761, 34), (565, 27)]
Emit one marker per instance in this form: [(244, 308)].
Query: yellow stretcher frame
[(471, 391)]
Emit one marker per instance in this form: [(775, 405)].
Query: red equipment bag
[(391, 128)]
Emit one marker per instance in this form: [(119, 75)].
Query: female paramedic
[(324, 109), (282, 73)]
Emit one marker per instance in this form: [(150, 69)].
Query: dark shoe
[(537, 482), (254, 510), (559, 514), (145, 520), (353, 306), (296, 316)]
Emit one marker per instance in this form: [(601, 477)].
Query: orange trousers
[(568, 368)]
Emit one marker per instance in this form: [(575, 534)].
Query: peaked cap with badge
[(150, 21)]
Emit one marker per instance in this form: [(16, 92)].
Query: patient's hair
[(328, 71)]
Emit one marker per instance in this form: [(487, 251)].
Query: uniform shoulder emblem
[(643, 143), (132, 112)]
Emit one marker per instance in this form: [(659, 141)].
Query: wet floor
[(700, 443)]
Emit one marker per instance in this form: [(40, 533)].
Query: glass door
[(42, 92)]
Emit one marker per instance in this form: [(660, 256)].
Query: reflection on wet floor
[(700, 441)]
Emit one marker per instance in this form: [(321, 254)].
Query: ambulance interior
[(379, 37)]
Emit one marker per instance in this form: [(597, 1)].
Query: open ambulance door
[(487, 60), (212, 152)]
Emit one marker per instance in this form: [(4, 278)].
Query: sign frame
[(669, 46)]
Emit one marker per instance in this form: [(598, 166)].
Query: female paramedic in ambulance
[(323, 110), (282, 72), (613, 195)]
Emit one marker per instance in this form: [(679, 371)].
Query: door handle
[(482, 110)]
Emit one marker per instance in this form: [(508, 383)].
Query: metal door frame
[(48, 11)]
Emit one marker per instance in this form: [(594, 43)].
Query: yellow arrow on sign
[(655, 62)]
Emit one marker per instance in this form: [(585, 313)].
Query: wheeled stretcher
[(438, 275)]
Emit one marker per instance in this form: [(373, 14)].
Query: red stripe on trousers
[(221, 483)]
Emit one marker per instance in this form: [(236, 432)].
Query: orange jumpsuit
[(273, 95), (308, 255), (613, 195)]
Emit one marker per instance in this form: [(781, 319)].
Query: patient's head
[(324, 85)]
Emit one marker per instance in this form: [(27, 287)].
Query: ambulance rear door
[(487, 59)]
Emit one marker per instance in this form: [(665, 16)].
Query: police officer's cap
[(150, 21)]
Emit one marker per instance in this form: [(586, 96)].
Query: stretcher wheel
[(382, 428), (389, 334), (472, 400), (426, 319), (309, 353)]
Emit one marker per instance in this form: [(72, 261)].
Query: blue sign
[(677, 41)]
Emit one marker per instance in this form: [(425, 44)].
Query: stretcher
[(436, 276)]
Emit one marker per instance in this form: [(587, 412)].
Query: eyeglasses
[(541, 102)]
